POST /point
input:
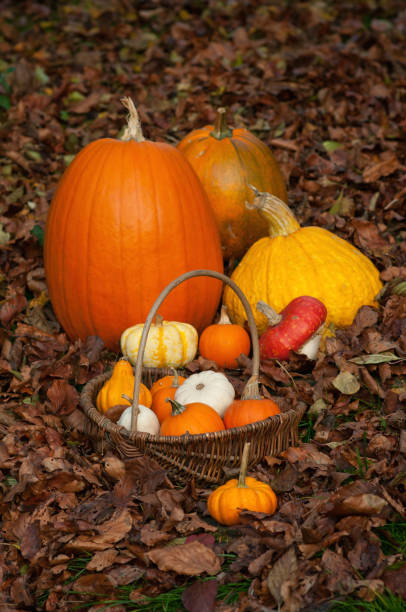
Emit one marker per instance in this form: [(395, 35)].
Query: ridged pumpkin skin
[(227, 162), (160, 405), (121, 227), (224, 342), (225, 502), (121, 382), (207, 387), (169, 344), (166, 381), (243, 411), (193, 418), (294, 261)]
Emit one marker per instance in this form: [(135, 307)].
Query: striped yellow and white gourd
[(169, 343)]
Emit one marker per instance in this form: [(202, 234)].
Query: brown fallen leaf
[(114, 466), (11, 307), (200, 596), (382, 168), (110, 532), (307, 453), (102, 559), (365, 503), (63, 396), (150, 535), (123, 575), (31, 541), (191, 559), (83, 106), (339, 572), (281, 571), (94, 583), (395, 580), (346, 383)]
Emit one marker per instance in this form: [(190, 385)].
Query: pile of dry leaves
[(325, 86)]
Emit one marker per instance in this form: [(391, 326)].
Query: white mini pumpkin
[(146, 421), (209, 387), (169, 344)]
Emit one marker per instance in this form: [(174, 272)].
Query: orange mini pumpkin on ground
[(226, 502)]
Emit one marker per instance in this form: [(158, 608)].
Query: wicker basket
[(204, 457)]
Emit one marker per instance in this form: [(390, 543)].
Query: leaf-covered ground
[(324, 84)]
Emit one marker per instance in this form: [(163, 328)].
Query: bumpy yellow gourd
[(169, 344), (295, 261), (120, 383), (245, 493)]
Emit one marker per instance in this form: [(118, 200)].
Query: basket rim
[(105, 424)]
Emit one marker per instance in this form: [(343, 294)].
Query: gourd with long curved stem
[(294, 261)]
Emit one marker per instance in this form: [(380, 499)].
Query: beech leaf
[(190, 559), (200, 596), (375, 358), (346, 383), (281, 571)]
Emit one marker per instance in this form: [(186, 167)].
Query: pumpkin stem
[(281, 220), (224, 318), (133, 129), (251, 389), (175, 382), (221, 129), (177, 408), (243, 466), (273, 317)]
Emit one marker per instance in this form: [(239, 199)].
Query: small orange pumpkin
[(160, 404), (226, 502), (244, 411), (194, 418), (224, 341), (166, 381)]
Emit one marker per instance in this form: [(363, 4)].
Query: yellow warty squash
[(120, 383), (294, 261)]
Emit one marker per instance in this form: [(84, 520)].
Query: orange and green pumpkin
[(227, 161)]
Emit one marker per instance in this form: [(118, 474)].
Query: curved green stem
[(177, 408)]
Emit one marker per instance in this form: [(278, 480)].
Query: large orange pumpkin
[(227, 162), (128, 217)]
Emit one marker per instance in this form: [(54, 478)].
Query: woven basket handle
[(251, 390)]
